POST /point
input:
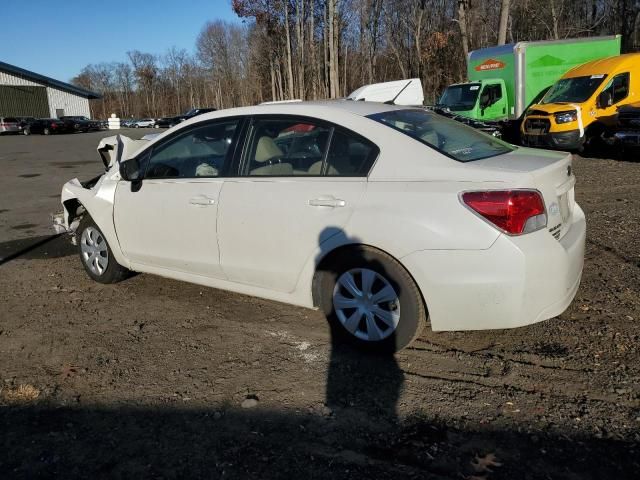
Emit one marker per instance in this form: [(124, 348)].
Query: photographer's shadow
[(362, 383)]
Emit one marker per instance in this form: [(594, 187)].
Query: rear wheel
[(46, 131), (26, 131), (96, 255), (371, 300)]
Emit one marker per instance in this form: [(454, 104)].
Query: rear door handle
[(327, 202), (202, 200)]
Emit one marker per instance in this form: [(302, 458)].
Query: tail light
[(513, 211), (54, 125)]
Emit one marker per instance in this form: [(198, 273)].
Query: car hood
[(551, 108), (115, 148)]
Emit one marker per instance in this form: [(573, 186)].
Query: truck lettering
[(490, 64)]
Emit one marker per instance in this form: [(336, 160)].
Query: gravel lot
[(153, 378)]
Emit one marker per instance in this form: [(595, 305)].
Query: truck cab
[(582, 106), (485, 99)]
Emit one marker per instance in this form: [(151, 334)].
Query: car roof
[(605, 65), (310, 108)]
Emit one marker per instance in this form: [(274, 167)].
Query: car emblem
[(554, 209), (569, 171)]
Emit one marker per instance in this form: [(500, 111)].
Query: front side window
[(460, 97), (203, 151), (618, 86), (573, 90), (490, 95), (450, 137)]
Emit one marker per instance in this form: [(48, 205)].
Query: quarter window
[(201, 152), (350, 156)]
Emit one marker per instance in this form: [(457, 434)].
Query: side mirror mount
[(605, 99), (130, 170)]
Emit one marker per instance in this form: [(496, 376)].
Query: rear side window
[(458, 141), (10, 120)]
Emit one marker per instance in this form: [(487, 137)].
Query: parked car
[(24, 121), (382, 216), (9, 125), (78, 123), (46, 126), (144, 123), (166, 122), (194, 112)]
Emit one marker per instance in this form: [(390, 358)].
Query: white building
[(25, 93)]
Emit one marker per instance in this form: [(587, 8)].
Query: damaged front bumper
[(60, 225)]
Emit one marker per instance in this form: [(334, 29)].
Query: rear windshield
[(450, 137)]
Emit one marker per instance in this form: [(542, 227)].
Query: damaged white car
[(382, 216)]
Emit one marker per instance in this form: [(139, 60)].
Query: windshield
[(460, 97), (573, 90), (452, 138)]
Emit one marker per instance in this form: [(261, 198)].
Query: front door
[(299, 184), (169, 220)]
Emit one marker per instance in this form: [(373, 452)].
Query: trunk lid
[(551, 173)]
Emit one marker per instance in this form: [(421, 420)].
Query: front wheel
[(46, 131), (96, 255), (371, 301), (26, 131)]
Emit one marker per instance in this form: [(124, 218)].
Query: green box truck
[(505, 80)]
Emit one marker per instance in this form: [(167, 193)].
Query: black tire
[(26, 131), (114, 272), (413, 317), (46, 131)]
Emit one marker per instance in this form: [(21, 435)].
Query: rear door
[(298, 184), (169, 219)]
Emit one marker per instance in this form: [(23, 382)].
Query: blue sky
[(58, 37)]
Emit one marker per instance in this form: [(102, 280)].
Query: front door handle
[(327, 202), (202, 200)]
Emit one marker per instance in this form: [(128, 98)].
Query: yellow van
[(578, 108)]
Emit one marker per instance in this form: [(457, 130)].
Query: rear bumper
[(517, 281), (570, 140)]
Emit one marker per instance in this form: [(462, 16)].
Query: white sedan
[(144, 123), (382, 216)]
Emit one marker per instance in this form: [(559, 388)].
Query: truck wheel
[(96, 255)]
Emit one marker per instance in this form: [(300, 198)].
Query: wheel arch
[(329, 256)]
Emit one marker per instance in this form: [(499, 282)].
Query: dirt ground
[(153, 378)]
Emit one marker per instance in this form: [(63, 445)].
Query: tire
[(46, 131), (137, 126), (403, 308), (26, 131), (96, 255)]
